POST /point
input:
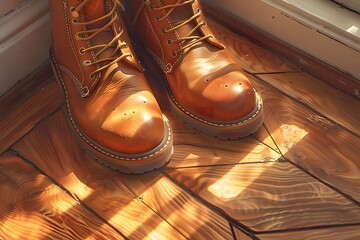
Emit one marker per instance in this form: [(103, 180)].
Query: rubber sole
[(125, 163), (225, 131)]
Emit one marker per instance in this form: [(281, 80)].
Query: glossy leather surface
[(203, 79), (115, 110)]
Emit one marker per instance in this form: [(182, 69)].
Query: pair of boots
[(108, 99)]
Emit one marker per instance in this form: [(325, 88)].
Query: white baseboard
[(25, 39), (319, 28)]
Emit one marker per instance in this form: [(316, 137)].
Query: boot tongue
[(93, 10), (181, 14)]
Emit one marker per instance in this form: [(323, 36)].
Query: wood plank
[(336, 233), (183, 211), (53, 148), (268, 196), (252, 58), (18, 180), (23, 116), (321, 97), (52, 215), (33, 207), (315, 67), (311, 141)]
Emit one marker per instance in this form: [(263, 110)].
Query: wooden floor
[(297, 178)]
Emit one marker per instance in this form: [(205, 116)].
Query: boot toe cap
[(227, 98), (131, 132)]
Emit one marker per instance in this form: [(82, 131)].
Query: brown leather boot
[(108, 100), (206, 88)]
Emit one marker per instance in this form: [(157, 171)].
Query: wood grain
[(33, 207), (52, 214), (312, 141), (337, 233), (332, 103), (183, 211), (252, 58), (268, 196), (18, 180), (92, 183), (23, 116)]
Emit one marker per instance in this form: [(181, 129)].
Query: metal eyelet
[(86, 63), (75, 20), (147, 2), (174, 53), (73, 11), (157, 19), (152, 7), (203, 23), (170, 42), (92, 76), (164, 31), (198, 10), (82, 50)]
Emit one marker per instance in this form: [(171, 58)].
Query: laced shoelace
[(190, 38), (100, 48)]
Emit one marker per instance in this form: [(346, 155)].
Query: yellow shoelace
[(87, 35)]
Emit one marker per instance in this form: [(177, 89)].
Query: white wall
[(25, 39)]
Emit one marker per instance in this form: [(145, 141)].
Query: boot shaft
[(87, 36), (169, 28)]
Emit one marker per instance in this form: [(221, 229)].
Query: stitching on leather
[(152, 29), (71, 40), (259, 105), (76, 81), (158, 61), (86, 140), (88, 43), (177, 35)]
